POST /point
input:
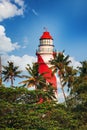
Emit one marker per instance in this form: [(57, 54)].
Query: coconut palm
[(83, 69), (37, 80), (59, 65), (77, 95), (34, 79), (0, 72), (82, 73), (10, 72), (69, 77)]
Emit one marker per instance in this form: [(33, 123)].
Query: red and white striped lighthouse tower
[(44, 54)]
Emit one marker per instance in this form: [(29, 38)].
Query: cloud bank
[(10, 9), (6, 44), (20, 61)]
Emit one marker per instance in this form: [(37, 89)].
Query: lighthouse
[(45, 53)]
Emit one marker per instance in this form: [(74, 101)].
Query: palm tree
[(34, 78), (78, 92), (69, 77), (83, 69), (10, 72), (0, 72), (82, 73), (59, 65), (46, 91)]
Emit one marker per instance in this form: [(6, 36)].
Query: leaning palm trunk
[(62, 89)]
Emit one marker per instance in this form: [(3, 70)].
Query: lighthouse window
[(44, 41), (41, 42), (47, 41)]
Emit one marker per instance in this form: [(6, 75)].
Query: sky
[(22, 23)]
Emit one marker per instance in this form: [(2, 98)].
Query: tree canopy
[(23, 109)]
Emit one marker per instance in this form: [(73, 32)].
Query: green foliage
[(77, 100), (34, 78), (19, 109)]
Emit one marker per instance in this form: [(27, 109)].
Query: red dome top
[(46, 35)]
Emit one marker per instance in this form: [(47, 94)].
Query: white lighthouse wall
[(47, 58)]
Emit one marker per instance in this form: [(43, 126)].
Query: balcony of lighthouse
[(45, 50)]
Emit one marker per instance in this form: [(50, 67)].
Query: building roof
[(46, 35)]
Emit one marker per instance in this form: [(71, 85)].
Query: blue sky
[(65, 19), (22, 23)]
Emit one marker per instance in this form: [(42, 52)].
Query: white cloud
[(19, 2), (19, 61), (9, 9), (74, 63), (6, 44)]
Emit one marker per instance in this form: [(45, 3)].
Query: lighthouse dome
[(46, 35)]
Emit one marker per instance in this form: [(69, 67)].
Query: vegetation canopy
[(24, 109)]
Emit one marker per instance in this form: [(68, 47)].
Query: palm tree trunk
[(63, 91), (11, 81)]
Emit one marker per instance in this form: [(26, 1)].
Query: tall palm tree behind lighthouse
[(44, 54), (0, 72)]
